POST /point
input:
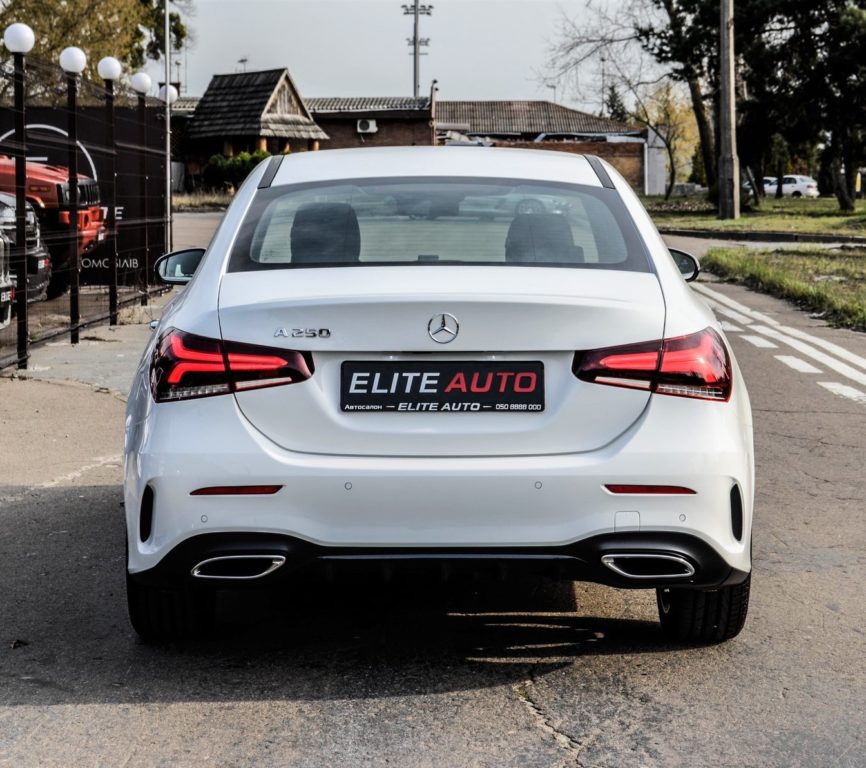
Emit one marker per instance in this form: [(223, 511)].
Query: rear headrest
[(325, 233), (541, 237)]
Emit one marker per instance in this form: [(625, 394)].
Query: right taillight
[(185, 366), (696, 365)]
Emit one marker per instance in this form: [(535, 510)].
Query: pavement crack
[(528, 694)]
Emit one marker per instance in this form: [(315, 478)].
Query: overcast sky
[(479, 49)]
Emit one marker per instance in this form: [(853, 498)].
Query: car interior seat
[(542, 238), (325, 233)]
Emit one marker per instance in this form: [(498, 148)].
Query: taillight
[(185, 366), (696, 365)]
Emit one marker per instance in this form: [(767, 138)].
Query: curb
[(763, 237)]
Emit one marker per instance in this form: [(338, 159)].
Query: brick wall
[(626, 157), (391, 133)]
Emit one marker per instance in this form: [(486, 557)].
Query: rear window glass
[(437, 221)]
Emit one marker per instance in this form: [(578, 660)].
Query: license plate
[(446, 386), (5, 297)]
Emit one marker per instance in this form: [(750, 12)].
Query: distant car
[(512, 203), (354, 378), (38, 258), (792, 186), (7, 287)]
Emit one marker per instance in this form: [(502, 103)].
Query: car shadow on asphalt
[(66, 637)]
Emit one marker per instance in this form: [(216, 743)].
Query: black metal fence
[(86, 258)]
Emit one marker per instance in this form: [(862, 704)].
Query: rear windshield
[(380, 222)]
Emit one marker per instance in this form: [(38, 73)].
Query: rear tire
[(168, 614), (703, 617)]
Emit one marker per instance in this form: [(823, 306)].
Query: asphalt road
[(415, 674)]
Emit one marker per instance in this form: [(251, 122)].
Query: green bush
[(222, 172)]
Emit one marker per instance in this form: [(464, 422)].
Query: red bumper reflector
[(651, 489), (236, 490)]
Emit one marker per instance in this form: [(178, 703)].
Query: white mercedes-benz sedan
[(366, 368)]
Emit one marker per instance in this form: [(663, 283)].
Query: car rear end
[(379, 380), (7, 286)]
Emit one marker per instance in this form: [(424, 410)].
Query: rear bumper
[(581, 561), (436, 504)]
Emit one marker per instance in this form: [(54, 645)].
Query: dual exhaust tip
[(648, 566), (630, 565)]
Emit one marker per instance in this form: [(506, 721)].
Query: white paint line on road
[(804, 349), (843, 390), (759, 341), (735, 316), (840, 352), (797, 364), (730, 327), (735, 305)]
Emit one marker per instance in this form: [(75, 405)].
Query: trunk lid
[(506, 315)]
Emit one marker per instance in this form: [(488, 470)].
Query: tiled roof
[(185, 104), (234, 105), (366, 104), (523, 117)]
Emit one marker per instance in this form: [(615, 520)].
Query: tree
[(669, 116), (129, 30), (615, 106)]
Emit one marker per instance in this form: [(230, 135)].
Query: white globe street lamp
[(141, 82), (172, 94), (73, 60), (109, 68), (19, 38)]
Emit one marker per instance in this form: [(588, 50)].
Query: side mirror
[(178, 267), (687, 264)]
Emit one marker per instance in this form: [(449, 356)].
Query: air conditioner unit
[(367, 126)]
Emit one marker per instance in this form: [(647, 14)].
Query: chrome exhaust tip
[(633, 565), (237, 567)]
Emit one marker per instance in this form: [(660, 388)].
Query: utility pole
[(417, 10), (729, 163)]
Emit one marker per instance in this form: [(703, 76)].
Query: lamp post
[(73, 61), (19, 40), (141, 85), (168, 95), (110, 70)]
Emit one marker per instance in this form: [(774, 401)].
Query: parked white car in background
[(346, 382), (792, 186)]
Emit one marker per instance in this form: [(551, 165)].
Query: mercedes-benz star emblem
[(443, 328)]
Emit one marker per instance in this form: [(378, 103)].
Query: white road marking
[(730, 327), (735, 316), (804, 349), (760, 341), (742, 309), (843, 390), (797, 364), (735, 305)]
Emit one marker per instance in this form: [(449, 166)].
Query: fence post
[(141, 83), (110, 70), (19, 39), (73, 61)]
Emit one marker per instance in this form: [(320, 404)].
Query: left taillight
[(696, 365), (185, 366)]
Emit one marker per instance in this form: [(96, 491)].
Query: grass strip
[(805, 216), (831, 282)]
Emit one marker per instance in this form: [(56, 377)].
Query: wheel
[(703, 617), (528, 205), (796, 194), (165, 615)]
